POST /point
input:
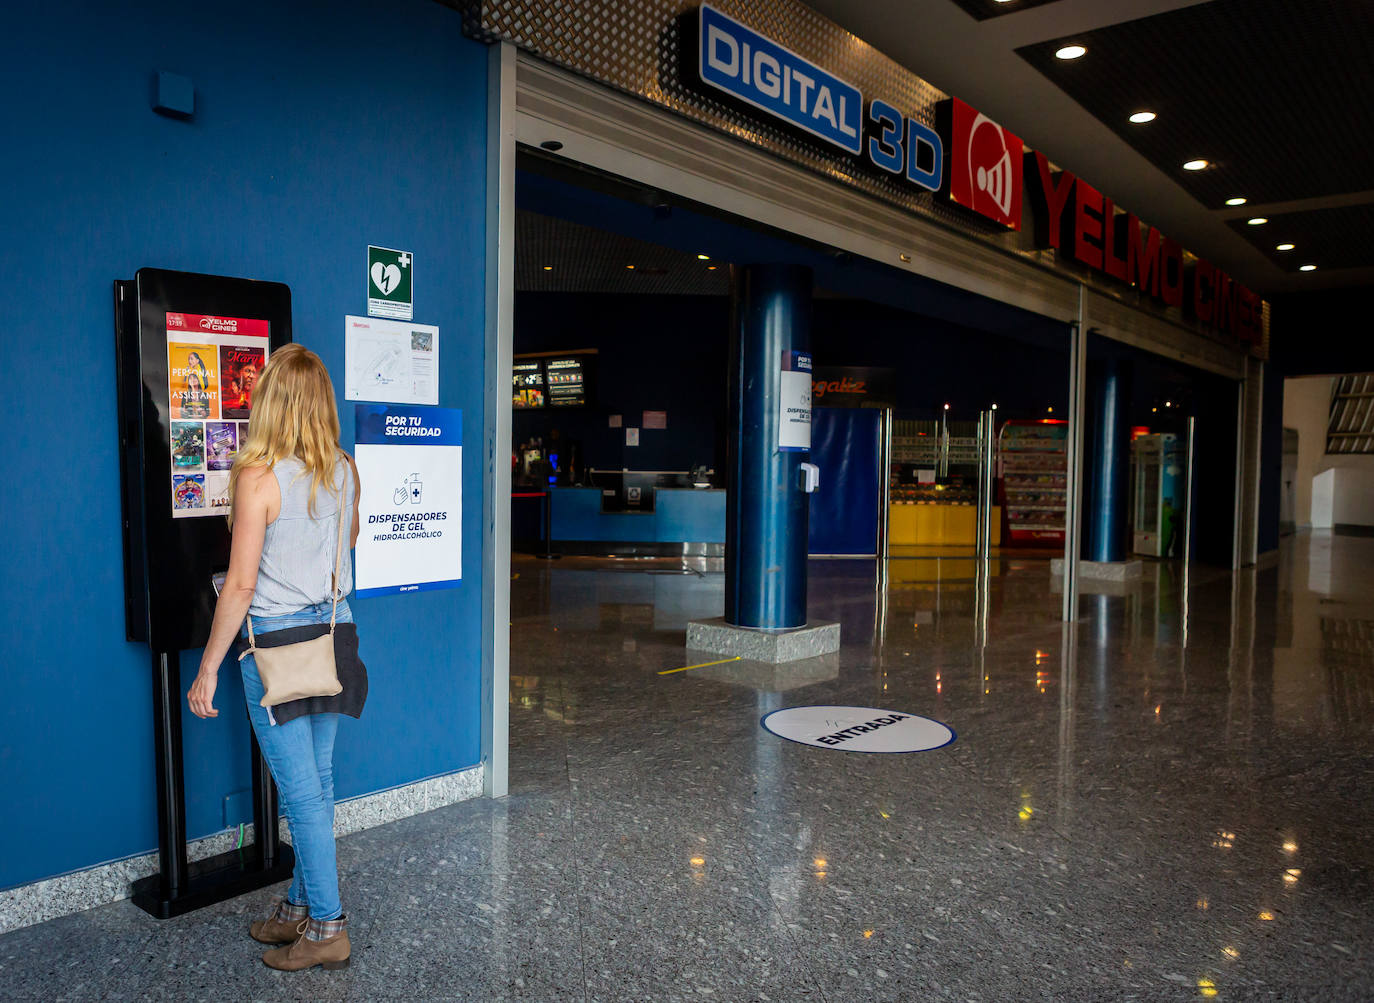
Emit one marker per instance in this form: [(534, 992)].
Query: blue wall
[(318, 129)]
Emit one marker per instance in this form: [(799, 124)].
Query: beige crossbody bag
[(305, 668)]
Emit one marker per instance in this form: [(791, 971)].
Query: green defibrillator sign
[(390, 289)]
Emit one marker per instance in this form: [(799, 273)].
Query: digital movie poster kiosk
[(189, 349)]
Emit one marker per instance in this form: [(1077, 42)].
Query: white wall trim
[(500, 339), (102, 884)]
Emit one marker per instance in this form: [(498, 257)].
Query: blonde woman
[(289, 486)]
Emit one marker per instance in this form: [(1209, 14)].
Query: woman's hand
[(201, 696)]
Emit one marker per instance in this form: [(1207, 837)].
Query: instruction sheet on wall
[(396, 361), (410, 510)]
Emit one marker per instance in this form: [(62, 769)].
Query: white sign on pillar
[(794, 402)]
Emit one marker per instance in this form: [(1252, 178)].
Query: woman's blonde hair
[(294, 414)]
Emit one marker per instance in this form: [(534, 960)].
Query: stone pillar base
[(818, 637), (1112, 571)]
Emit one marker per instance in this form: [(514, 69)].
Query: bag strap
[(338, 548), (338, 564)]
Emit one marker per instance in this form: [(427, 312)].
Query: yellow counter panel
[(938, 524)]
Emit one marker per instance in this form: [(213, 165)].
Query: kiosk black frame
[(168, 564)]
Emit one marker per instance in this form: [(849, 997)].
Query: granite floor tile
[(691, 933), (449, 933)]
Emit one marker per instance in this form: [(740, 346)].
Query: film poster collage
[(212, 367)]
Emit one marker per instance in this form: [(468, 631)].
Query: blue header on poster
[(760, 72), (398, 425), (796, 362)]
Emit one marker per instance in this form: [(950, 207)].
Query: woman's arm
[(357, 490), (257, 496)]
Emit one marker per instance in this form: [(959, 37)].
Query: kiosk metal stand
[(180, 887)]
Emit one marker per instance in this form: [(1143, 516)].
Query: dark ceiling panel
[(1327, 238), (554, 255), (1277, 95), (981, 10)]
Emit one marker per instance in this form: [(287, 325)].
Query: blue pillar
[(766, 520), (1108, 463)]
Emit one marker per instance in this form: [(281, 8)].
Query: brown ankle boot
[(280, 925), (320, 943)]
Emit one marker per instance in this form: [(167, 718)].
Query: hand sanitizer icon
[(412, 487)]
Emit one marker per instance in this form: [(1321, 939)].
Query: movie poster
[(217, 491), (193, 380), (188, 492), (221, 444), (188, 445), (239, 366)]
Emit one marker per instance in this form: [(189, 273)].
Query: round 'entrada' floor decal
[(858, 729)]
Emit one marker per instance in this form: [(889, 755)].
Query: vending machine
[(1157, 475), (188, 351)]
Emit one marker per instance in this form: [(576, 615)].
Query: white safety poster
[(794, 402), (391, 360), (410, 510)]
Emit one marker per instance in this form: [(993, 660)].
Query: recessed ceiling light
[(1141, 117), (1195, 165), (548, 268), (1307, 268), (1284, 247), (1236, 200), (703, 257), (710, 268), (1257, 220), (1070, 52), (631, 267)]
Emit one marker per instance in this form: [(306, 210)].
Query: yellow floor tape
[(669, 672)]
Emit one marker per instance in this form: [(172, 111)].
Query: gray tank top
[(298, 551)]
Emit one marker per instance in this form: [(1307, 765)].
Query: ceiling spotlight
[(1195, 165), (1236, 200), (630, 267), (1284, 247), (1141, 117), (548, 268), (1257, 220), (710, 268), (703, 257), (1307, 268), (1070, 52)]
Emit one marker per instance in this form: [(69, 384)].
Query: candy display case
[(1033, 459)]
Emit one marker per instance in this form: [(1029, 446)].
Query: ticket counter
[(678, 517)]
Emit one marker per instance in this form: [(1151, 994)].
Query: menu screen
[(567, 382), (212, 367), (528, 385)]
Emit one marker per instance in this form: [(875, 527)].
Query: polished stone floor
[(1170, 801)]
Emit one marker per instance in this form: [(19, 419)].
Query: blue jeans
[(300, 755)]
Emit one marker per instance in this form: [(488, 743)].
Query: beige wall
[(1306, 407)]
